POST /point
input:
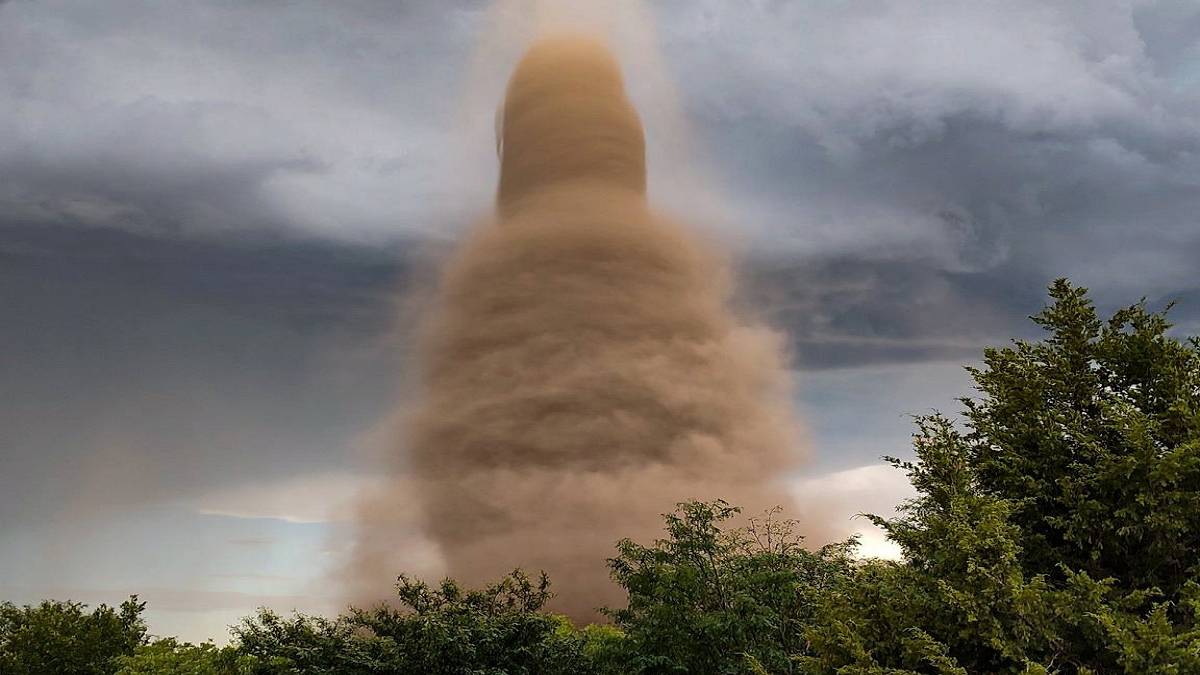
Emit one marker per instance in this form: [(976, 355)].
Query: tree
[(959, 602), (714, 599), (1093, 435), (1057, 534), (64, 639)]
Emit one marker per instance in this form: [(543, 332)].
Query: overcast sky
[(209, 209)]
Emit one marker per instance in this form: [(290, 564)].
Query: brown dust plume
[(581, 367)]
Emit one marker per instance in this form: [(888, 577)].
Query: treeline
[(1055, 530)]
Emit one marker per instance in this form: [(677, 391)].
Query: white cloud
[(841, 495), (331, 498), (314, 498)]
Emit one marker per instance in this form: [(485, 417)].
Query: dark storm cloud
[(965, 135), (845, 311), (170, 116), (138, 368), (1015, 138)]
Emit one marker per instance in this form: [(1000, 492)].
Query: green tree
[(1093, 435), (959, 602), (1057, 533), (714, 599), (62, 638)]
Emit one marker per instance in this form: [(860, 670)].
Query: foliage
[(1058, 533), (1093, 435), (492, 631), (959, 603), (713, 600), (307, 644), (181, 658), (63, 638), (499, 629)]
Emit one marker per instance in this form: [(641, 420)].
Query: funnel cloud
[(581, 367)]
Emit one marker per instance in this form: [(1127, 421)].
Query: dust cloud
[(581, 367)]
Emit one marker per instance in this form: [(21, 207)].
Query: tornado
[(582, 368)]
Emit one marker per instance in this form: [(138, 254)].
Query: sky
[(211, 212)]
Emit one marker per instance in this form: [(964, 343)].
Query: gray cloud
[(967, 135), (141, 368), (846, 311), (224, 116)]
